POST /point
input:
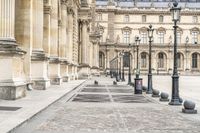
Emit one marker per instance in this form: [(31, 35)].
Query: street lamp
[(138, 81), (121, 55), (129, 70), (186, 52), (123, 78), (175, 100), (120, 73), (150, 34)]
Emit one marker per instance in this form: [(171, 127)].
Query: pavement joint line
[(25, 121)]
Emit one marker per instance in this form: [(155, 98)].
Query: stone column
[(23, 33), (47, 28), (63, 41), (84, 66), (39, 61), (12, 79), (54, 62), (70, 40)]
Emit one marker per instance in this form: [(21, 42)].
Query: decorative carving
[(118, 39), (195, 29), (143, 29), (161, 29)]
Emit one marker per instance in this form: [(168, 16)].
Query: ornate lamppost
[(138, 80), (123, 78), (121, 54), (150, 34), (186, 52), (129, 68), (175, 100)]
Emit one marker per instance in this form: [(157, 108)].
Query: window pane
[(126, 59), (194, 60)]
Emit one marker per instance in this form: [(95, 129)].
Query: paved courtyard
[(105, 108)]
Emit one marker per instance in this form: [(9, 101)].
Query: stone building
[(121, 21), (45, 42)]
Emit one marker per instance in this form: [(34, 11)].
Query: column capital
[(47, 9), (84, 21), (64, 2)]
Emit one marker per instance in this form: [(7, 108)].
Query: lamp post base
[(175, 102), (138, 86)]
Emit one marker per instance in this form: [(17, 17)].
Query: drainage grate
[(93, 90), (121, 90), (91, 98), (130, 99), (95, 86), (6, 108)]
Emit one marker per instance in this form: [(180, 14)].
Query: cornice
[(147, 11), (47, 9)]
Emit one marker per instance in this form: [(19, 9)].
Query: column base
[(56, 81), (12, 92), (95, 71), (54, 71), (12, 80), (41, 84), (84, 71)]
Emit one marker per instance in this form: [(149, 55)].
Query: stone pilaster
[(12, 78), (54, 62)]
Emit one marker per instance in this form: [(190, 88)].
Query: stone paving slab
[(32, 104)]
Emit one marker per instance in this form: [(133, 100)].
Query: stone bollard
[(114, 83), (164, 97), (155, 93), (131, 84), (180, 100), (144, 88), (189, 107), (96, 82)]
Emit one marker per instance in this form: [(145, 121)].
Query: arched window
[(143, 60), (126, 59), (101, 60), (161, 60), (194, 60)]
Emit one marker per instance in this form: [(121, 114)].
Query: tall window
[(161, 37), (178, 37), (161, 60), (101, 59), (143, 60), (126, 18), (144, 18), (194, 37), (178, 60), (161, 19), (195, 19), (195, 60), (143, 38), (126, 59), (126, 36), (99, 17)]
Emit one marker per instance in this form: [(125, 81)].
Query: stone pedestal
[(95, 71), (54, 71), (39, 73), (12, 79), (64, 71), (84, 71)]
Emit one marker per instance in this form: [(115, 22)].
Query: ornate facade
[(45, 42), (121, 21)]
